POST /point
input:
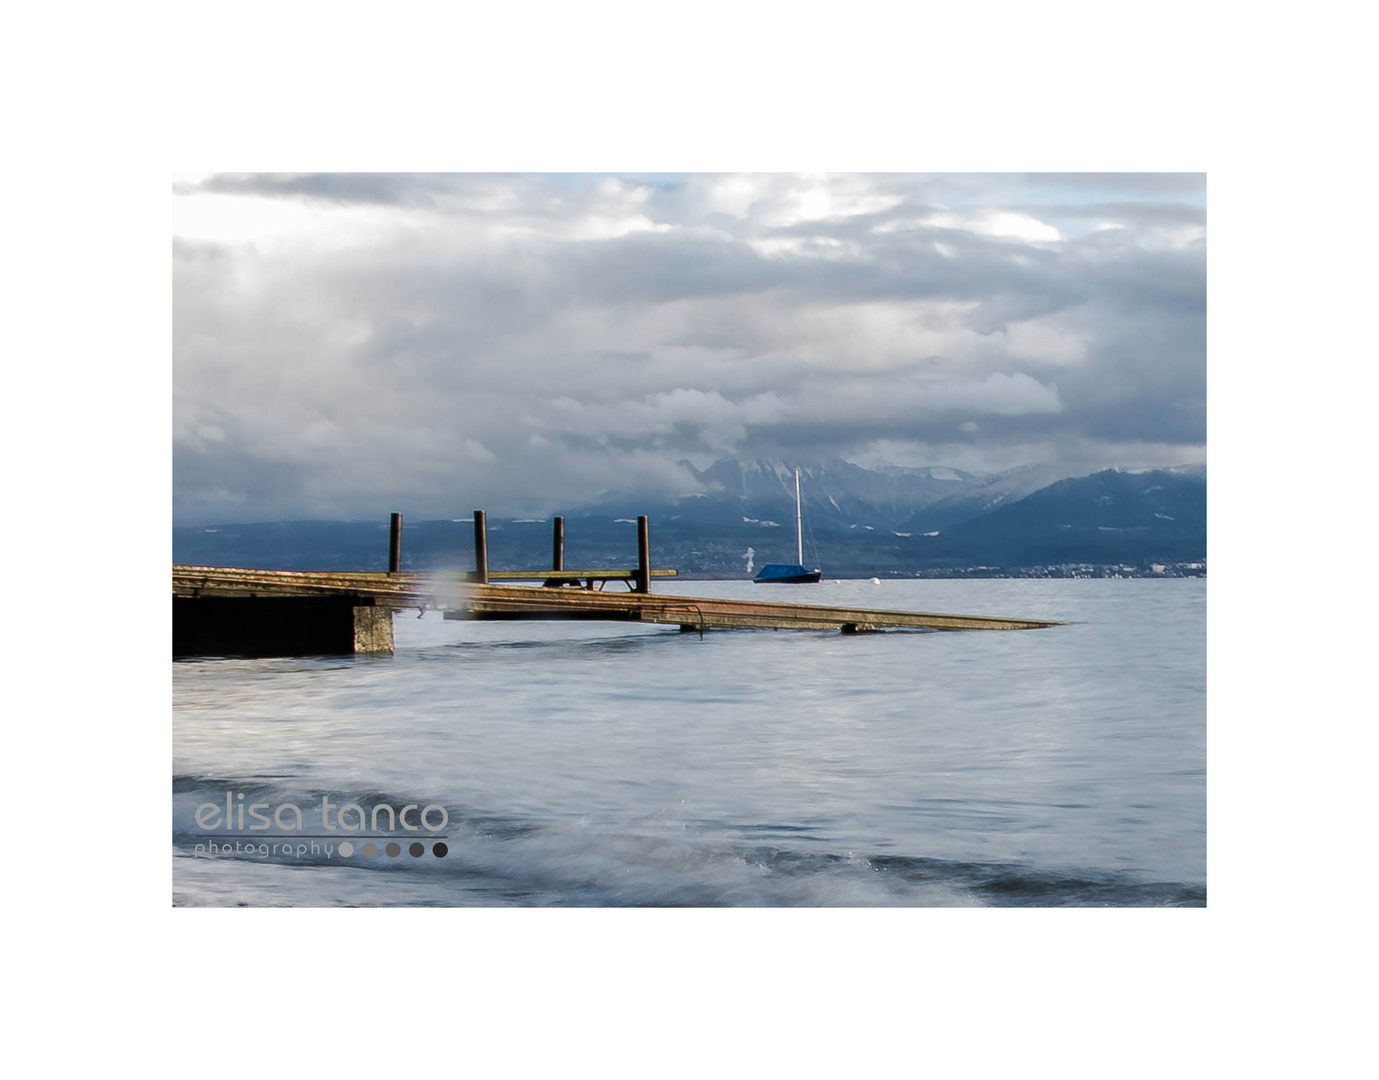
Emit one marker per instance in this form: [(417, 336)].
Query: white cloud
[(826, 198), (1039, 341), (1003, 224), (733, 195), (341, 340)]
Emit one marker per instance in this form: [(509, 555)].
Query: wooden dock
[(220, 611), (457, 596)]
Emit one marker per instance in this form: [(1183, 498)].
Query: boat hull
[(777, 574)]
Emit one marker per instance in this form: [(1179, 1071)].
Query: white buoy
[(876, 581)]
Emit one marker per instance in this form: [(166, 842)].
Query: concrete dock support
[(263, 626), (373, 630)]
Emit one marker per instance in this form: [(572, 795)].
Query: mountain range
[(858, 522)]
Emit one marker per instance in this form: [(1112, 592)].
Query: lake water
[(616, 764)]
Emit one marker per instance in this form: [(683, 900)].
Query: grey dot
[(370, 849)]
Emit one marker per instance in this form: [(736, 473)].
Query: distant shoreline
[(1058, 573)]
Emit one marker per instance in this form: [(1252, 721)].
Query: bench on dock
[(584, 579)]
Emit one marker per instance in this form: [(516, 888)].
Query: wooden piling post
[(480, 548), (643, 555), (394, 544), (558, 543)]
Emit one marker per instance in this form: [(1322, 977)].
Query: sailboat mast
[(799, 535)]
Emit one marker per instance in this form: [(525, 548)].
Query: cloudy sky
[(350, 344)]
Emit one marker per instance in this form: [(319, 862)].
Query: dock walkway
[(458, 597)]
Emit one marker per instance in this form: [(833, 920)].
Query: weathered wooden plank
[(405, 589)]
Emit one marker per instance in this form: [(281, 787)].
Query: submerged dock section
[(707, 613), (220, 611)]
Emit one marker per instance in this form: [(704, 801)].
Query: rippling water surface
[(613, 764)]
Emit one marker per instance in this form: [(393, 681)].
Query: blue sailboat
[(791, 573)]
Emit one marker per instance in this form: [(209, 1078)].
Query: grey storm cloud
[(352, 343)]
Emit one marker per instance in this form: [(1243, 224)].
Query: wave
[(656, 860)]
